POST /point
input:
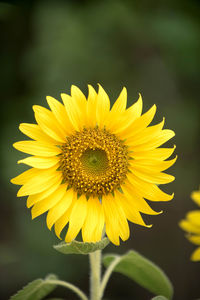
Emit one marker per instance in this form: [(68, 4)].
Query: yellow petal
[(103, 106), (48, 123), (123, 226), (189, 227), (91, 107), (194, 217), (80, 100), (135, 110), (37, 148), (132, 214), (24, 177), (74, 111), (196, 255), (137, 201), (60, 208), (155, 142), (40, 162), (35, 132), (60, 114), (39, 183), (100, 224), (151, 165), (111, 220), (140, 123), (79, 96), (120, 103), (117, 111), (126, 118), (152, 177), (156, 154), (33, 199), (196, 197), (148, 190), (92, 221), (195, 239), (116, 222), (77, 218), (146, 135), (47, 203), (63, 220)]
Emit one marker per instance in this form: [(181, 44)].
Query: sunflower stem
[(107, 275), (95, 275)]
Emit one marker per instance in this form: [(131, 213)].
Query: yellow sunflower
[(192, 225), (92, 167)]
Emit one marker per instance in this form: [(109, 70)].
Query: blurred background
[(150, 47)]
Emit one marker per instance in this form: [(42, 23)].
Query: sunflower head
[(92, 166), (191, 224)]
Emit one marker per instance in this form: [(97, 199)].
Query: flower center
[(94, 162)]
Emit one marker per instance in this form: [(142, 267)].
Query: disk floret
[(94, 162)]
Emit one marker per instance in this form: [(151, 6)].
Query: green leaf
[(159, 298), (76, 247), (37, 289), (143, 271)]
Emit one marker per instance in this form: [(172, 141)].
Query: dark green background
[(150, 47)]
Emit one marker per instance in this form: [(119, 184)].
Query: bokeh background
[(150, 47)]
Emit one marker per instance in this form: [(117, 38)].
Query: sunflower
[(92, 167), (192, 225)]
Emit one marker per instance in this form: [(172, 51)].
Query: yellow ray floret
[(40, 162), (33, 199), (196, 197), (126, 118), (191, 224), (93, 166)]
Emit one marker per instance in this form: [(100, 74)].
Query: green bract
[(76, 247)]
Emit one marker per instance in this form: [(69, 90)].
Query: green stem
[(107, 274), (95, 275), (69, 286)]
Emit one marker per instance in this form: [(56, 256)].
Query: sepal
[(76, 247)]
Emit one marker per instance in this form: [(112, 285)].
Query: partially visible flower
[(191, 224), (92, 166)]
